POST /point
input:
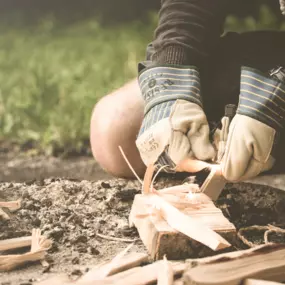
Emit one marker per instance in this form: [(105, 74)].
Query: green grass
[(51, 77)]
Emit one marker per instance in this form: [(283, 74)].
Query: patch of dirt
[(24, 168), (73, 212)]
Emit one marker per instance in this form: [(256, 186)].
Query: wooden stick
[(259, 282), (130, 261), (11, 205), (214, 183), (160, 238), (116, 239), (4, 215), (266, 263), (166, 274), (192, 165), (148, 179), (15, 243), (38, 250), (149, 274)]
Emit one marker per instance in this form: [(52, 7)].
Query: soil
[(73, 211)]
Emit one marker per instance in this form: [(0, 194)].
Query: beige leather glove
[(175, 125), (254, 130)]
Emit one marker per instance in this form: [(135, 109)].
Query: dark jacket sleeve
[(188, 30)]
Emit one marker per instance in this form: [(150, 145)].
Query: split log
[(267, 262), (15, 243), (161, 239)]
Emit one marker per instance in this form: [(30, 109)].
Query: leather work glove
[(254, 131), (175, 125)]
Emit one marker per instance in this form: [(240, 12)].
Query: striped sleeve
[(262, 98)]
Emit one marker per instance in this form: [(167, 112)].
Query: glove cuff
[(262, 98), (160, 84)]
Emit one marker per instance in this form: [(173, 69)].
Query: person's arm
[(175, 125)]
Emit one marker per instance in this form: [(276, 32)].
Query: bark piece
[(161, 239), (267, 262)]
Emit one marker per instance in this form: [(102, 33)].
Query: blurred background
[(58, 57)]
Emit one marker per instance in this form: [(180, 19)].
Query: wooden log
[(266, 263), (160, 239)]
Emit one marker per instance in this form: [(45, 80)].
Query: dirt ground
[(74, 211)]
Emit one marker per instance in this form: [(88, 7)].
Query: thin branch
[(129, 164)]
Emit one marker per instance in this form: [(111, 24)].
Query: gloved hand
[(255, 129), (175, 125)]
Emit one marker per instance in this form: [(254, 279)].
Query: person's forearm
[(188, 30)]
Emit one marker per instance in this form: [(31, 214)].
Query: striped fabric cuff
[(166, 83), (262, 98), (157, 113)]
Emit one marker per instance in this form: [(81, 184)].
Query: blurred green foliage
[(51, 76)]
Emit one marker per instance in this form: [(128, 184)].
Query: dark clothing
[(188, 30)]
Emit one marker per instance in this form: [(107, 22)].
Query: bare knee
[(115, 122)]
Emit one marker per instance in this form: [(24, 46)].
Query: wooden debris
[(160, 237), (259, 282), (55, 280), (147, 274), (166, 274), (116, 239), (15, 243), (4, 215), (267, 262), (214, 183), (39, 246), (130, 261), (11, 205)]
